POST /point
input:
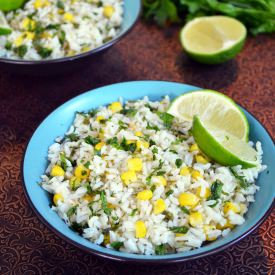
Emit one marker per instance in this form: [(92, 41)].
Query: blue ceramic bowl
[(57, 123), (132, 10)]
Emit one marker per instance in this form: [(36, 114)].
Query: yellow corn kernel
[(179, 234), (138, 134), (140, 229), (112, 206), (231, 206), (71, 53), (201, 159), (99, 146), (194, 147), (108, 11), (188, 199), (28, 24), (207, 193), (85, 49), (57, 171), (115, 107), (206, 229), (145, 195), (81, 172), (46, 35), (142, 144), (88, 198), (40, 4), (134, 164), (227, 225), (185, 171), (68, 17), (18, 41), (29, 35), (195, 174), (130, 141), (99, 118), (159, 206), (128, 176), (159, 180), (106, 239), (57, 197), (195, 219)]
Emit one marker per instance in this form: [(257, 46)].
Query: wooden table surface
[(27, 246)]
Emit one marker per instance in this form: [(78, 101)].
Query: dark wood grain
[(27, 246)]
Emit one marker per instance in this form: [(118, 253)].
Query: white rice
[(105, 170), (49, 29)]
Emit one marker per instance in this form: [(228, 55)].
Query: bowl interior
[(57, 123), (131, 14)]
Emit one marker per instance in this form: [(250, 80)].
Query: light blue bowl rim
[(129, 257)]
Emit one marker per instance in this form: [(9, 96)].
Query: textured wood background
[(27, 246)]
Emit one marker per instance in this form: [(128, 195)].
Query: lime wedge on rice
[(4, 27), (223, 147), (213, 107), (213, 39), (8, 5)]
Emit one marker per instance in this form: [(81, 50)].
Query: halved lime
[(4, 27), (223, 147), (8, 5), (213, 39), (213, 107)]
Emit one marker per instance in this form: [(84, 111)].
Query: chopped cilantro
[(87, 164), (169, 192), (185, 210), (166, 118), (216, 191), (104, 203), (152, 127), (116, 245), (63, 161), (241, 179), (72, 137), (133, 213), (60, 5), (160, 249), (179, 229), (131, 112), (91, 140), (21, 50), (155, 150), (72, 211), (178, 162)]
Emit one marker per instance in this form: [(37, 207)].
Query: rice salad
[(130, 177), (50, 29)]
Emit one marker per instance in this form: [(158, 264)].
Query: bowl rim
[(137, 260), (104, 46)]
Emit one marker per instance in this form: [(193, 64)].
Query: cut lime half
[(8, 5), (4, 27), (223, 147), (213, 107), (213, 39)]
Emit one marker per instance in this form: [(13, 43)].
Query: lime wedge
[(8, 5), (213, 107), (213, 39), (4, 27), (223, 147)]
